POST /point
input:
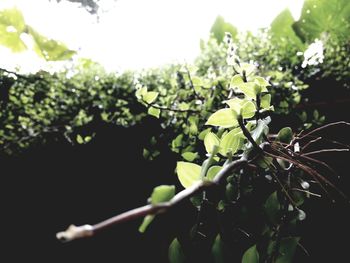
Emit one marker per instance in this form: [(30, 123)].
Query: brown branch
[(311, 142), (320, 163), (323, 127), (75, 232), (325, 150)]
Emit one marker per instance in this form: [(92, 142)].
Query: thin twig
[(311, 142), (192, 86), (325, 150), (323, 127), (90, 230), (319, 162), (304, 191)]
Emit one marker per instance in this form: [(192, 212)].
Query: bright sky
[(134, 34)]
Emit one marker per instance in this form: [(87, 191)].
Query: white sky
[(138, 33)]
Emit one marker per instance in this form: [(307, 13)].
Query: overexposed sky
[(134, 34)]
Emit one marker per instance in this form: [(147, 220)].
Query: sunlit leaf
[(230, 142), (281, 29), (212, 172), (225, 118), (12, 25), (210, 141), (324, 16), (189, 156), (188, 173), (150, 97), (49, 49), (220, 27), (154, 112), (162, 193), (265, 101), (248, 109)]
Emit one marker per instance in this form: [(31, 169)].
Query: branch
[(76, 232), (323, 127), (248, 135), (170, 109), (192, 86), (325, 150), (311, 142)]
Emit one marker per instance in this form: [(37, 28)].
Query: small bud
[(301, 215), (268, 177), (305, 185)]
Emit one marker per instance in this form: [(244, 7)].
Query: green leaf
[(272, 208), (236, 81), (248, 68), (248, 88), (262, 83), (235, 104), (261, 129), (140, 92), (189, 156), (12, 25), (175, 253), (49, 49), (218, 250), (162, 193), (248, 109), (251, 255), (319, 16), (287, 250), (150, 97), (265, 101), (196, 81), (188, 173), (225, 118), (285, 135), (80, 139), (210, 141), (242, 106), (230, 142), (154, 112), (281, 29), (177, 142), (184, 106), (220, 27), (202, 134), (212, 172)]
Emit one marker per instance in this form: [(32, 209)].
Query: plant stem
[(90, 230), (248, 135)]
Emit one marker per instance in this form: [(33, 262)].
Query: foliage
[(217, 110), (41, 106), (13, 28), (263, 199)]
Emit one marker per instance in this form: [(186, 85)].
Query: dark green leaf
[(285, 135), (176, 254), (251, 255)]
